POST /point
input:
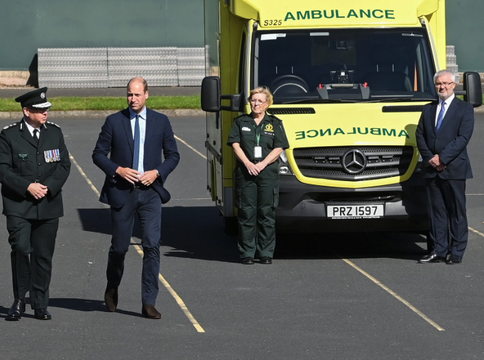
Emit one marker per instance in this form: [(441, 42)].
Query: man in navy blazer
[(135, 140), (443, 133)]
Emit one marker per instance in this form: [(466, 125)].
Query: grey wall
[(464, 31), (26, 25)]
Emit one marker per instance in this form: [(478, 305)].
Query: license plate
[(366, 211)]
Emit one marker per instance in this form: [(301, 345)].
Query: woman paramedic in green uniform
[(258, 139)]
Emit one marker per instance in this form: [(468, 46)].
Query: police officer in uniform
[(34, 165), (257, 139)]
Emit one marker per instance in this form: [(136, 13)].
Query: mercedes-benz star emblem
[(354, 161)]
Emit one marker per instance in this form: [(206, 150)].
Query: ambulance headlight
[(284, 168), (283, 157)]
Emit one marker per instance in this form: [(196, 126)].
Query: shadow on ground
[(197, 232)]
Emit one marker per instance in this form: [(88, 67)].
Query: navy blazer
[(116, 139), (450, 142)]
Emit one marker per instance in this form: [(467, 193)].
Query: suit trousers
[(146, 204), (448, 219), (32, 243)]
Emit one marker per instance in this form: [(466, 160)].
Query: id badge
[(257, 152)]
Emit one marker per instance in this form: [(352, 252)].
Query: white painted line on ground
[(191, 147), (395, 295), (475, 231)]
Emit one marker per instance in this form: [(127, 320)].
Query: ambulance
[(349, 79)]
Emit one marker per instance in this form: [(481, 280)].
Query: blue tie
[(440, 118), (136, 144)]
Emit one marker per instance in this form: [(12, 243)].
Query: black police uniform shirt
[(23, 162), (270, 132)]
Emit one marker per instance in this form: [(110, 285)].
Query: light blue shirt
[(142, 135)]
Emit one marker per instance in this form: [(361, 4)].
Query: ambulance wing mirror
[(211, 98), (235, 102), (473, 88)]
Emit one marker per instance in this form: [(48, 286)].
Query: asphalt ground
[(357, 296)]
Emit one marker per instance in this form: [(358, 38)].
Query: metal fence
[(113, 67)]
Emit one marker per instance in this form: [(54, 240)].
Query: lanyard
[(257, 133)]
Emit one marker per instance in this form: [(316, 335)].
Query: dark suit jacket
[(450, 142), (116, 139), (22, 163)]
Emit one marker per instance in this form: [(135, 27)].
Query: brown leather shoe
[(150, 312), (111, 298)]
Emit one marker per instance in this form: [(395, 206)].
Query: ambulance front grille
[(353, 163), (292, 111)]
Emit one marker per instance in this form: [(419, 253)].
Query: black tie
[(36, 136)]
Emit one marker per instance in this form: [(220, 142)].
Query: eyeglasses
[(444, 83), (257, 101)]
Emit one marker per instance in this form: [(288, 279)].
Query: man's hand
[(436, 163), (37, 190), (148, 177), (128, 174)]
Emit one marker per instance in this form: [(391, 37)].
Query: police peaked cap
[(35, 99)]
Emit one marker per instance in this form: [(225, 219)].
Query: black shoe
[(452, 260), (42, 314), (248, 261), (111, 298), (431, 258), (150, 312), (16, 311), (265, 260)]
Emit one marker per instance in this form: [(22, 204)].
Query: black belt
[(140, 186)]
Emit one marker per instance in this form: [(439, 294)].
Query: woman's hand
[(253, 169)]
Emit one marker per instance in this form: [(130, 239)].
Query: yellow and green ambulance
[(349, 80)]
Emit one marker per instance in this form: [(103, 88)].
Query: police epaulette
[(52, 123), (9, 126)]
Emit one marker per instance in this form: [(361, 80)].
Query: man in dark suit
[(443, 133), (135, 138), (34, 165)]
